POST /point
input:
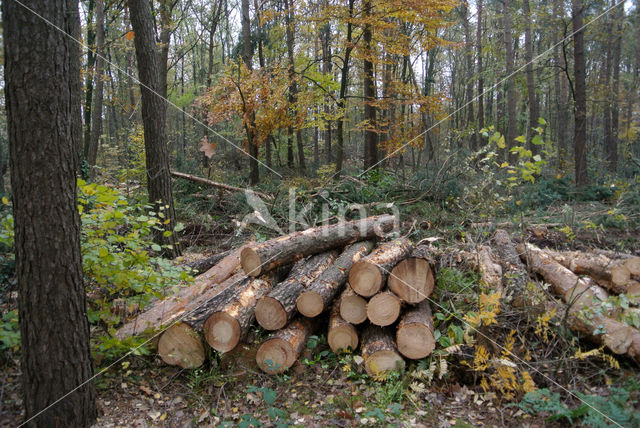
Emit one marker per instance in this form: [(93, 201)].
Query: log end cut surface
[(270, 314), (275, 355), (415, 341), (353, 309), (412, 280), (310, 304), (222, 332), (250, 261), (343, 338), (383, 309), (365, 278), (181, 346), (383, 361)]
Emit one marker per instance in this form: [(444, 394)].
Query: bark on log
[(414, 336), (368, 276), (181, 343), (267, 255), (576, 292), (384, 309), (322, 291), (614, 274), (515, 272), (412, 279), (163, 311), (278, 353), (203, 265), (353, 307), (275, 310), (379, 351), (342, 336), (211, 183), (230, 323)]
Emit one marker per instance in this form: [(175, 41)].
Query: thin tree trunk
[(91, 59), (326, 69), (293, 85), (580, 95), (153, 118), (612, 143), (480, 76), (370, 134), (531, 88), (247, 54), (42, 98), (344, 82), (468, 53), (561, 91), (91, 151), (511, 94)]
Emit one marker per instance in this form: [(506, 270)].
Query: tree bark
[(468, 53), (561, 92), (293, 86), (480, 71), (611, 143), (153, 118), (91, 60), (414, 336), (286, 249), (412, 279), (278, 353), (580, 94), (247, 55), (344, 83), (511, 94), (368, 276), (531, 87), (40, 65), (91, 150), (369, 82), (275, 310), (341, 335), (379, 351), (323, 290)]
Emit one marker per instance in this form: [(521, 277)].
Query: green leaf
[(541, 121), (103, 252), (521, 139), (501, 142), (269, 395), (156, 247)]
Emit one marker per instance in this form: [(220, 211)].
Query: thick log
[(383, 309), (275, 310), (615, 335), (490, 271), (633, 266), (368, 276), (379, 351), (230, 323), (181, 343), (202, 265), (162, 311), (612, 273), (321, 292), (342, 336), (412, 279), (414, 336), (222, 186), (286, 249), (353, 307), (278, 353), (515, 272)]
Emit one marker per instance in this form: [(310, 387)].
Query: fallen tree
[(222, 186)]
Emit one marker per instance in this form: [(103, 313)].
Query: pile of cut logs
[(337, 269), (376, 295)]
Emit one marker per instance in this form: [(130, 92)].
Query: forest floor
[(324, 389)]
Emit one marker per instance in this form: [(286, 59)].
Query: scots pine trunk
[(153, 119), (41, 90)]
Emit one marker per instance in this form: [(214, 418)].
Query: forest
[(330, 213)]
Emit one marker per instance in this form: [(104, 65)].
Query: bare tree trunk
[(42, 98), (91, 150), (561, 92), (531, 87), (480, 76), (153, 118), (580, 95), (370, 134), (344, 82), (247, 54), (293, 86), (326, 69), (611, 144), (468, 53), (91, 59), (511, 94)]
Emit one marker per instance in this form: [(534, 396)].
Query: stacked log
[(280, 352), (379, 351), (321, 292), (415, 336), (353, 307), (412, 279), (276, 309), (341, 335)]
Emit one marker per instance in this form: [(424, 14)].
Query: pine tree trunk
[(275, 310), (41, 99), (368, 276), (286, 249), (153, 118)]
